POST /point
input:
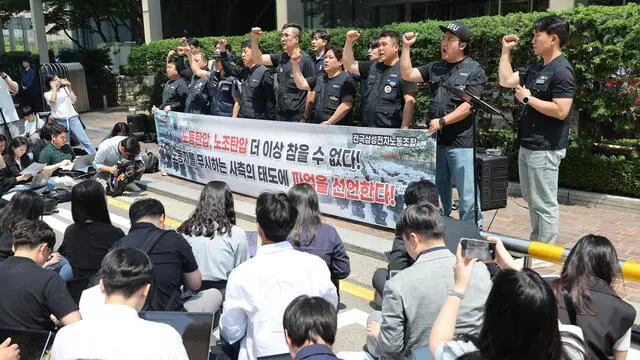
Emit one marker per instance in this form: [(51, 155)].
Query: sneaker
[(133, 187)]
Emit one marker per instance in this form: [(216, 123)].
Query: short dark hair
[(554, 25), (26, 110), (31, 233), (203, 54), (193, 42), (423, 219), (57, 129), (25, 205), (337, 51), (373, 42), (88, 203), (125, 271), (276, 215), (122, 128), (145, 208), (394, 35), (321, 34), (45, 132), (131, 145), (309, 318), (421, 191), (294, 25)]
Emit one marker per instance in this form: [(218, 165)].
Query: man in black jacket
[(175, 91), (418, 192)]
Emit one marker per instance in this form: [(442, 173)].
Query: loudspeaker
[(137, 125), (493, 176)]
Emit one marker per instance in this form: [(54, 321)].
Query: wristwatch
[(456, 294), (525, 100), (442, 122)]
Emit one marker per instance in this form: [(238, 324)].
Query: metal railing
[(557, 254)]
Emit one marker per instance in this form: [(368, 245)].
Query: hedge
[(604, 49)]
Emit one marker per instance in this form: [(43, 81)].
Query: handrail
[(557, 254)]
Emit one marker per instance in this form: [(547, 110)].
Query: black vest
[(384, 102), (328, 98), (198, 96), (443, 101), (253, 104)]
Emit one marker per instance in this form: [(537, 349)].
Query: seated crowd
[(280, 297)]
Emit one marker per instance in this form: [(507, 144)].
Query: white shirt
[(31, 127), (63, 107), (117, 333), (91, 301), (260, 289), (6, 102)]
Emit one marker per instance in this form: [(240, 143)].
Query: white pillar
[(152, 20), (12, 40), (561, 4), (40, 33), (289, 11), (24, 26)]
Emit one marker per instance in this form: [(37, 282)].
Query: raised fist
[(509, 42), (353, 35), (256, 32), (222, 45), (295, 58), (410, 38)]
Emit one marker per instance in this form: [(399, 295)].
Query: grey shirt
[(412, 300), (108, 154), (217, 256)]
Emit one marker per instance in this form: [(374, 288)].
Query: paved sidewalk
[(622, 228)]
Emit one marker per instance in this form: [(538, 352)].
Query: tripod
[(475, 103), (6, 126)]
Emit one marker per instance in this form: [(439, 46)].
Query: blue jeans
[(455, 165), (538, 171), (51, 184), (74, 126), (63, 268)]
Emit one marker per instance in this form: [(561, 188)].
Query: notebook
[(195, 329)]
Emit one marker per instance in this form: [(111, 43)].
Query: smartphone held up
[(482, 250)]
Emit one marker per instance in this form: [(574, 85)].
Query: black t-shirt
[(556, 80), (459, 134), (6, 245), (171, 257), (325, 88), (30, 294), (290, 101), (86, 244)]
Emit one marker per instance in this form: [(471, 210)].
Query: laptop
[(195, 329), (34, 344), (81, 163), (40, 180)]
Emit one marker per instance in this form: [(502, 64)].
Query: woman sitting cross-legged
[(219, 245), (90, 237), (16, 160)]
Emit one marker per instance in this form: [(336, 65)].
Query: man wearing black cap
[(450, 116)]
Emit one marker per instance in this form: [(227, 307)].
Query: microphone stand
[(475, 103)]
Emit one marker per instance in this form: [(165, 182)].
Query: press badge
[(333, 98), (541, 79)]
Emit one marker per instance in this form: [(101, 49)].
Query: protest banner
[(359, 173)]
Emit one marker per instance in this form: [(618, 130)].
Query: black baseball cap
[(459, 29)]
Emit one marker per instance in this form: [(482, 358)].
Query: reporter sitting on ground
[(16, 160), (312, 236), (218, 244), (31, 294), (32, 123), (57, 152), (116, 331), (174, 265), (520, 318), (454, 229), (39, 142), (586, 297), (90, 237), (310, 326), (112, 151)]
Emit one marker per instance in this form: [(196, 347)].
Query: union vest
[(328, 98), (384, 100), (221, 94), (253, 104)]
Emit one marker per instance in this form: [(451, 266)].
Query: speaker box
[(137, 125), (493, 177)]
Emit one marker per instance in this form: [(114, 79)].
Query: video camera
[(125, 174)]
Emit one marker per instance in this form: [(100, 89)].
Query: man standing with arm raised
[(450, 115), (290, 101), (546, 90), (390, 101)]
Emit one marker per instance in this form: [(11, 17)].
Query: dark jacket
[(613, 318), (315, 351), (329, 246), (12, 166)]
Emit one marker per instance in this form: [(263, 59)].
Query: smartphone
[(478, 249)]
